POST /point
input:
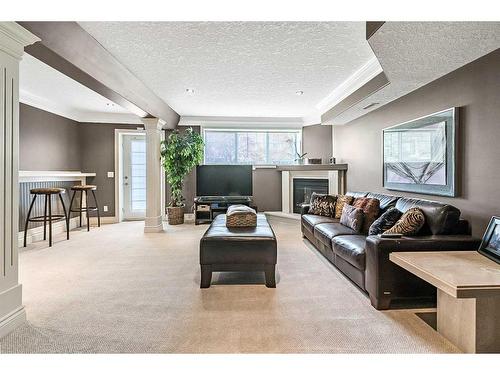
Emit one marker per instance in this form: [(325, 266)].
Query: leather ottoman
[(238, 249)]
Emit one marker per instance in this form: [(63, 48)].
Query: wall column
[(13, 38), (154, 175)]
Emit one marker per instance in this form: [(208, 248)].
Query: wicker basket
[(175, 215), (240, 215)]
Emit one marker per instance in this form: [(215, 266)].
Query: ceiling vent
[(371, 105)]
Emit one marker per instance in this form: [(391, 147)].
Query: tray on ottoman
[(238, 249)]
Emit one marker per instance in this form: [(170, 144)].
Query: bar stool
[(48, 192), (85, 189)]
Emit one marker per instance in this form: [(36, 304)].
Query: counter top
[(55, 174)]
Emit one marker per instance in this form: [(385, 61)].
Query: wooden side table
[(468, 295)]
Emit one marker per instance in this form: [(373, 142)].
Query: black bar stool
[(48, 192), (85, 189)]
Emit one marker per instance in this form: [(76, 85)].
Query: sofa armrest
[(304, 208), (385, 280)]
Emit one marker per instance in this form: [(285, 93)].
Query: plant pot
[(175, 215)]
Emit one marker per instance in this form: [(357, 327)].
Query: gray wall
[(317, 141), (51, 142), (267, 189), (48, 142), (98, 155), (474, 88)]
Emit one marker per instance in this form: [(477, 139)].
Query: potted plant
[(180, 153)]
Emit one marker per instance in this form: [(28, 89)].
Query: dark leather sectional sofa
[(365, 259)]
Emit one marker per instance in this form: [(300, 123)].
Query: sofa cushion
[(351, 249), (323, 204), (352, 217), (371, 209), (386, 201), (386, 221), (341, 200), (326, 231), (310, 221), (409, 224), (440, 218), (357, 194)]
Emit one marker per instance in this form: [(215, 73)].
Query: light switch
[(105, 209), (111, 174)]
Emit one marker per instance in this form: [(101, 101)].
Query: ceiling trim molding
[(13, 39), (375, 84), (359, 78), (254, 122), (46, 105)]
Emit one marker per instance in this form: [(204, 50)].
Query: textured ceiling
[(43, 87), (238, 68), (413, 54)]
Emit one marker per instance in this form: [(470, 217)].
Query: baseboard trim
[(104, 220), (36, 234), (12, 321)]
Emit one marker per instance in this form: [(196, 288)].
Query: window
[(251, 147)]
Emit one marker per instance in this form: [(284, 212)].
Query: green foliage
[(180, 153)]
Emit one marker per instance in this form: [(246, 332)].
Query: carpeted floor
[(116, 289)]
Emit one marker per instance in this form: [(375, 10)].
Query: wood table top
[(462, 274)]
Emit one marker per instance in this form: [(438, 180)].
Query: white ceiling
[(239, 69), (43, 87), (413, 54)]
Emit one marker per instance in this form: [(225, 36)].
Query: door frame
[(119, 133)]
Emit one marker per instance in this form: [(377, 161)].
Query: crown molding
[(13, 39), (44, 104), (243, 122), (351, 84)]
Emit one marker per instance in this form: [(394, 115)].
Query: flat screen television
[(224, 180)]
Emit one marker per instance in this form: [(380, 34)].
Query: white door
[(134, 177)]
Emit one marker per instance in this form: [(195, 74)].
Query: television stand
[(207, 208)]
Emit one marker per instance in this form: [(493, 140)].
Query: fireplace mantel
[(313, 167), (335, 173)]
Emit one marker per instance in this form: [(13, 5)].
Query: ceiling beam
[(372, 27), (68, 48)]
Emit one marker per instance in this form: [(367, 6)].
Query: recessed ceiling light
[(190, 91), (109, 104), (299, 93)]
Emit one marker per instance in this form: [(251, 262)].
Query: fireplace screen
[(303, 189)]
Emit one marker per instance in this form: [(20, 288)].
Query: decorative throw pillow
[(371, 209), (352, 217), (322, 204), (385, 222), (410, 223), (341, 200)]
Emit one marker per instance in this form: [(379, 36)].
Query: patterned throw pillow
[(385, 222), (341, 200), (410, 223), (352, 217), (323, 204), (371, 209)]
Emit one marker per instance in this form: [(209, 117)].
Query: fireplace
[(303, 189)]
